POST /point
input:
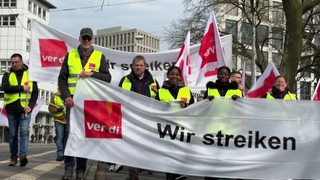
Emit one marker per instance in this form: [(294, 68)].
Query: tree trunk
[(293, 41)]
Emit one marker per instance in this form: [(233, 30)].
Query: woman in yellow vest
[(174, 89), (58, 110), (222, 87), (280, 91)]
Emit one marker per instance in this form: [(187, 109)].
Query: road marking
[(32, 156), (36, 172)]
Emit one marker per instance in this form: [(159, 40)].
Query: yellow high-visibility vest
[(214, 92), (58, 102), (23, 96), (126, 84), (75, 66), (166, 96), (288, 96)]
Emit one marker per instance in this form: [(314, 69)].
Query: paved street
[(42, 165)]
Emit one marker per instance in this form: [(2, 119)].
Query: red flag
[(3, 117), (316, 94), (183, 61), (211, 54), (265, 82)]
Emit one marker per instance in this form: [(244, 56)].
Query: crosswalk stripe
[(35, 172), (32, 156)]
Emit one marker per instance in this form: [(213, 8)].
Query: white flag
[(183, 61)]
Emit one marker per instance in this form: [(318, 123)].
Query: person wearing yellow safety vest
[(83, 62), (20, 97), (140, 81), (174, 89), (222, 87), (58, 110), (279, 90)]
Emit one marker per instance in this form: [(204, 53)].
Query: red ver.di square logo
[(102, 119), (52, 52)]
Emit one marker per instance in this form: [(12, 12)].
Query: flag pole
[(253, 62)]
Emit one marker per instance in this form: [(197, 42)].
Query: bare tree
[(300, 31)]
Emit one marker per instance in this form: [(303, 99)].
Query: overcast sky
[(148, 15)]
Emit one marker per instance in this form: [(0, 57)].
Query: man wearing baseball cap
[(83, 62)]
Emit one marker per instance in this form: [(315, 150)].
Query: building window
[(4, 65), (264, 10), (232, 28), (12, 21), (305, 90), (29, 6), (44, 14), (35, 9), (39, 12), (29, 25), (28, 45), (263, 35), (277, 13), (246, 36), (8, 20), (277, 38)]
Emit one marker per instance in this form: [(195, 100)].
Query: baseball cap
[(86, 31)]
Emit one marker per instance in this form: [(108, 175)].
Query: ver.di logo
[(52, 52), (102, 119)]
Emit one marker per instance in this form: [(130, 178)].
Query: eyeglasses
[(86, 38)]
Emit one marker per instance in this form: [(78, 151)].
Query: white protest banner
[(49, 46), (247, 138)]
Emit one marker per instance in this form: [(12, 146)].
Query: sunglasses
[(86, 38)]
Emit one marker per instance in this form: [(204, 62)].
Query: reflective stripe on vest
[(75, 66), (288, 96), (229, 94), (126, 84), (183, 94), (23, 96), (232, 92)]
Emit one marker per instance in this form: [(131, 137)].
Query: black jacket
[(140, 86), (7, 88)]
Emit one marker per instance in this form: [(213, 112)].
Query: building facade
[(127, 39), (15, 33)]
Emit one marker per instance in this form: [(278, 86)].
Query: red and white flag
[(316, 94), (36, 109), (211, 55), (265, 82), (183, 61)]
